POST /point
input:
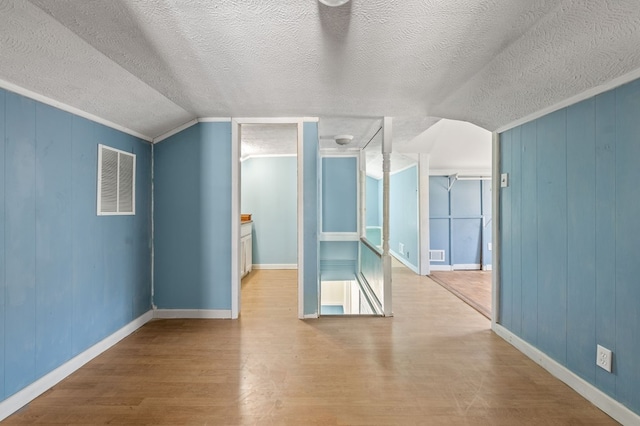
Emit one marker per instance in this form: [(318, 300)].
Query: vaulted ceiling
[(151, 66)]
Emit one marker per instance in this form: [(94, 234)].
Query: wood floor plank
[(473, 287), (436, 362)]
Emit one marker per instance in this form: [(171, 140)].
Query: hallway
[(472, 287), (435, 362)]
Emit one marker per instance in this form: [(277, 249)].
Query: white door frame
[(235, 207)]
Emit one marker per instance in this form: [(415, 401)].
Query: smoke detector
[(333, 3), (343, 139)]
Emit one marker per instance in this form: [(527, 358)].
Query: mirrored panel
[(373, 191)]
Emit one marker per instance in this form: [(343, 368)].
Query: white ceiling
[(151, 66)]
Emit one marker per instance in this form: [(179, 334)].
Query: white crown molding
[(68, 108), (403, 169), (340, 152), (440, 267), (616, 82), (249, 157), (461, 172), (37, 388), (174, 131), (214, 120)]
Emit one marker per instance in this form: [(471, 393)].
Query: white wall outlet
[(401, 247), (489, 246), (603, 358), (504, 180)]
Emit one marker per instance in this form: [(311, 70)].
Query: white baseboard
[(275, 266), (404, 261), (433, 267), (466, 267), (192, 313), (310, 316), (594, 395), (37, 388), (487, 268)]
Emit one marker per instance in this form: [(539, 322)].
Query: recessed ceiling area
[(151, 66)]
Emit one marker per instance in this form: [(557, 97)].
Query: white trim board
[(175, 131), (192, 313), (249, 157), (404, 261), (589, 93), (275, 266), (339, 152), (37, 388), (395, 172), (440, 267), (189, 124), (214, 120), (68, 108), (592, 394), (461, 172), (467, 267), (339, 236)]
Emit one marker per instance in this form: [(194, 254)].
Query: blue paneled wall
[(193, 218), (403, 215), (570, 237), (460, 221), (69, 277), (269, 193), (192, 183)]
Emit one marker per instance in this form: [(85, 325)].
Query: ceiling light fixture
[(343, 139), (333, 3)]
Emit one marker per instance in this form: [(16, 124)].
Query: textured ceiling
[(150, 66)]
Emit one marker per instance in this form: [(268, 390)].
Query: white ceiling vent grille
[(436, 255), (116, 182)]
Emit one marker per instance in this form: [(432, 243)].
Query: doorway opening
[(266, 200)]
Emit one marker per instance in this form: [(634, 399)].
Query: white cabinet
[(246, 247)]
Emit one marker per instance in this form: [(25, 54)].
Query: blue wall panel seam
[(615, 224), (566, 242), (4, 252)]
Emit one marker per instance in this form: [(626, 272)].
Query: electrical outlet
[(489, 247), (603, 358), (401, 247)]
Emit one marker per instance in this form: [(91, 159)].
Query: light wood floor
[(473, 287), (435, 363)]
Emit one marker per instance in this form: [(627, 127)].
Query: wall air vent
[(116, 182), (436, 255)]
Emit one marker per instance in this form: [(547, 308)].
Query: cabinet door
[(243, 261), (248, 256)]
